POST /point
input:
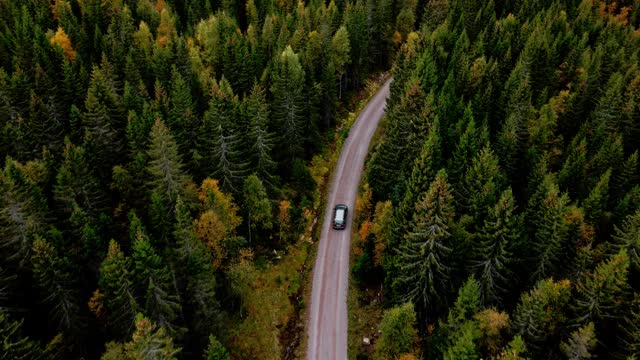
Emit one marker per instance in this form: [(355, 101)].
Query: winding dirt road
[(328, 317)]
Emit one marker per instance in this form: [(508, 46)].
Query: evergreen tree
[(182, 118), (155, 284), (103, 120), (168, 180), (595, 204), (539, 315), (147, 342), (116, 285), (260, 138), (423, 273), (482, 184), (288, 106), (54, 278), (14, 344), (548, 230), (496, 240), (221, 144), (216, 351), (580, 344), (628, 238), (257, 204), (23, 213), (600, 293), (195, 276), (76, 184)]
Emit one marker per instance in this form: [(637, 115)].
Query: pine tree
[(53, 277), (221, 143), (422, 257), (580, 344), (339, 54), (548, 230), (628, 237), (195, 276), (482, 184), (14, 345), (600, 293), (103, 120), (216, 351), (23, 213), (464, 343), (168, 180), (76, 184), (496, 240), (540, 313), (630, 335), (573, 173), (155, 284), (116, 284), (182, 118), (467, 304), (257, 204), (595, 204), (422, 174), (147, 342), (288, 104), (260, 138)]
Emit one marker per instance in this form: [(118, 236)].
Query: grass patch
[(365, 314), (267, 306)]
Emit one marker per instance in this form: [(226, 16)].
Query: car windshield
[(339, 215)]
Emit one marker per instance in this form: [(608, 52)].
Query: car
[(340, 216)]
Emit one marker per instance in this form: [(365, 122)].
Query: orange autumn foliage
[(61, 39), (96, 304), (211, 231)]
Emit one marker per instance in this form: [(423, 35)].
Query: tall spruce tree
[(547, 227), (288, 105), (496, 241), (116, 284), (168, 179), (423, 273)]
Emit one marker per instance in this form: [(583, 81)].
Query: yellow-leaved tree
[(217, 222)]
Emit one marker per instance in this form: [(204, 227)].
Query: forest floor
[(276, 289)]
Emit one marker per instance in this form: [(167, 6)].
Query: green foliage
[(288, 107), (216, 351), (580, 344), (168, 179), (398, 332), (601, 292), (540, 313), (423, 273), (496, 242), (628, 238), (115, 282), (109, 109), (546, 217), (148, 342), (257, 204), (14, 344), (54, 278)]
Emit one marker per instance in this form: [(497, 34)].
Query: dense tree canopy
[(531, 107), (146, 145)]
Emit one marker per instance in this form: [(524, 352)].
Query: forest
[(149, 146), (501, 214)]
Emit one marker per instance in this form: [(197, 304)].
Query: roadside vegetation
[(499, 213)]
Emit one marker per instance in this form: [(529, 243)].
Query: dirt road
[(328, 316)]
